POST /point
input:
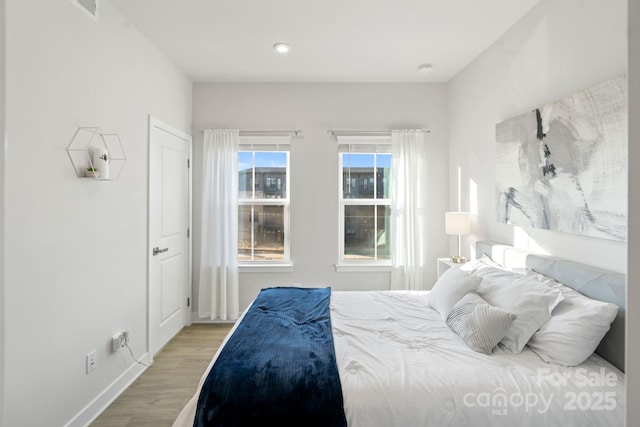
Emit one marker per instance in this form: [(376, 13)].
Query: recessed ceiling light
[(425, 68), (282, 47)]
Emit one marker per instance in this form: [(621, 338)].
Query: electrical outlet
[(118, 341), (91, 361)]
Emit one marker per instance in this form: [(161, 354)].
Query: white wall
[(315, 108), (555, 50), (633, 277), (2, 208), (76, 248)]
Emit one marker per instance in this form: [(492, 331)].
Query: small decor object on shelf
[(92, 173), (100, 160)]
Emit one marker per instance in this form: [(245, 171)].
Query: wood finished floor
[(158, 395)]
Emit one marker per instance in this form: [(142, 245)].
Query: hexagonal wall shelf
[(90, 140)]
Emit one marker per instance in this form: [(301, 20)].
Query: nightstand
[(445, 263)]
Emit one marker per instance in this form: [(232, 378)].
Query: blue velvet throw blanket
[(279, 366)]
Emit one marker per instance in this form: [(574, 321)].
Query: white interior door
[(169, 241)]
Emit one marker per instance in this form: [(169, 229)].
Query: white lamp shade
[(457, 223)]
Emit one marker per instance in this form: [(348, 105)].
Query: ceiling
[(331, 40)]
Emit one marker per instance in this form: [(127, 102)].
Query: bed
[(399, 361)]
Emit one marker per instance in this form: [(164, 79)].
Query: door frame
[(156, 123)]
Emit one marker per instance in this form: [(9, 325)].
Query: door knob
[(157, 250)]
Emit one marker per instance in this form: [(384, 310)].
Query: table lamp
[(457, 223)]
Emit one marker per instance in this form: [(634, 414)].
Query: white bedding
[(401, 365)]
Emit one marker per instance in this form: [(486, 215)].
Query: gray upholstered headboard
[(593, 282)]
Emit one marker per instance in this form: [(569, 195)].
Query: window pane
[(271, 174), (383, 176), (357, 176), (383, 238), (269, 235), (359, 232), (267, 230), (245, 174), (244, 233), (364, 234)]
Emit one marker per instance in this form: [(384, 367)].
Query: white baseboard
[(90, 412)]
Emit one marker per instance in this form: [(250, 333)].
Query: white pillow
[(449, 289), (574, 330), (483, 261), (526, 297)]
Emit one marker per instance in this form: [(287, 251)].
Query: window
[(263, 204), (365, 203)]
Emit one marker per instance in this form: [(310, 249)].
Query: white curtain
[(218, 279), (408, 177)]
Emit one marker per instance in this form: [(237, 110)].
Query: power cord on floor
[(126, 344)]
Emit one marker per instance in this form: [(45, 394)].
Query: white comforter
[(401, 365)]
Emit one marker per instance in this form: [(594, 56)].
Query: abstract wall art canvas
[(563, 166)]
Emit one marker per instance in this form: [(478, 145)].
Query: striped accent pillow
[(478, 323)]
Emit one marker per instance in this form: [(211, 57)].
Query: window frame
[(262, 144), (361, 145)]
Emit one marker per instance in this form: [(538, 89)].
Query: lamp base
[(458, 259)]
